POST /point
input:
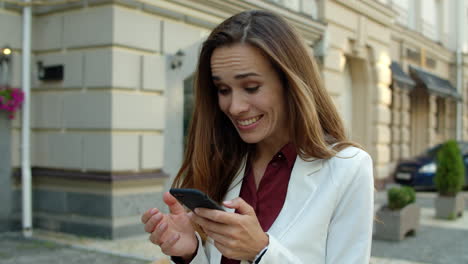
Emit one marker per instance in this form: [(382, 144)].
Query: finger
[(148, 214), (217, 215), (157, 237), (240, 205), (174, 206), (208, 225), (221, 239), (167, 245), (153, 222), (159, 233)]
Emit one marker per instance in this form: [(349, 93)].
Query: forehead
[(237, 58)]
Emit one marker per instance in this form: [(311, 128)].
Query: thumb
[(174, 206), (240, 205)]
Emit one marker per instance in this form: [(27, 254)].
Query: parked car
[(419, 171)]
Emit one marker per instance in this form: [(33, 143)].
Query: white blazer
[(326, 218)]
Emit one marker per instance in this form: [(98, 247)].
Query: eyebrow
[(238, 76)]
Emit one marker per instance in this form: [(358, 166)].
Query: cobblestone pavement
[(437, 241), (16, 250)]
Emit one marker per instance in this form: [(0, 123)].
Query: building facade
[(108, 133)]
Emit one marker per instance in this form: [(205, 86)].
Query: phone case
[(193, 198)]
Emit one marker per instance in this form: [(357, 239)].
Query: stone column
[(431, 115), (5, 172), (396, 123), (405, 124), (381, 118), (450, 122)]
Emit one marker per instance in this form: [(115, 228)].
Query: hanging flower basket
[(11, 100)]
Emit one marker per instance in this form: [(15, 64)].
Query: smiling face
[(250, 93)]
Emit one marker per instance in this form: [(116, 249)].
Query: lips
[(249, 121)]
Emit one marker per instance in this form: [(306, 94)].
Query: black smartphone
[(193, 198)]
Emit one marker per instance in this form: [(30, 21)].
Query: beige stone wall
[(361, 40), (424, 111), (108, 114)]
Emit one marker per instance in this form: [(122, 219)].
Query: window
[(430, 19), (402, 7)]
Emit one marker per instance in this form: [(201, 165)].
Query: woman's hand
[(172, 232), (236, 236)]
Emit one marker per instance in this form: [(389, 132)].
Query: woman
[(266, 139)]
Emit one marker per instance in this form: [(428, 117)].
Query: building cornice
[(415, 39), (310, 29), (202, 13), (372, 9)]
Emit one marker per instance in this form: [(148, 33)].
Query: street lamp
[(5, 54)]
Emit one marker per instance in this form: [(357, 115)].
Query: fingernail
[(157, 216), (153, 211), (227, 202), (197, 211), (174, 237), (190, 215), (162, 226)]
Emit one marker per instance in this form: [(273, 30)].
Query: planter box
[(449, 207), (396, 224)]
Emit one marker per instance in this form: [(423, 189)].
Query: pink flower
[(11, 100)]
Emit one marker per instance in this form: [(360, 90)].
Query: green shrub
[(399, 197), (450, 174)]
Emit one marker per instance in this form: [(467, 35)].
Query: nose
[(239, 104)]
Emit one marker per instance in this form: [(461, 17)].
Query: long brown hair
[(215, 151)]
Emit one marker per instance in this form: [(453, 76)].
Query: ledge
[(94, 176)]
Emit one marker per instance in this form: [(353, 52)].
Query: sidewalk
[(16, 250), (50, 247), (437, 242)]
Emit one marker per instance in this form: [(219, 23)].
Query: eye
[(223, 90), (252, 89)]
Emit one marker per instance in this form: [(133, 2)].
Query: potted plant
[(400, 217), (449, 180), (11, 100)]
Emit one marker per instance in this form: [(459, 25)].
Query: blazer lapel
[(301, 187), (300, 191), (235, 187)]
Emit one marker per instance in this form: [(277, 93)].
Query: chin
[(250, 139)]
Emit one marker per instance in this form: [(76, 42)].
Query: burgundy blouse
[(268, 200)]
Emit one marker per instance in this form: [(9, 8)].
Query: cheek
[(223, 103)]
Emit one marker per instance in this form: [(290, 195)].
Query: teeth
[(248, 121)]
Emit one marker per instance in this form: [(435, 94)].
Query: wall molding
[(94, 176)]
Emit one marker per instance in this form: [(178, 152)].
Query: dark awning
[(434, 84), (399, 76)]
